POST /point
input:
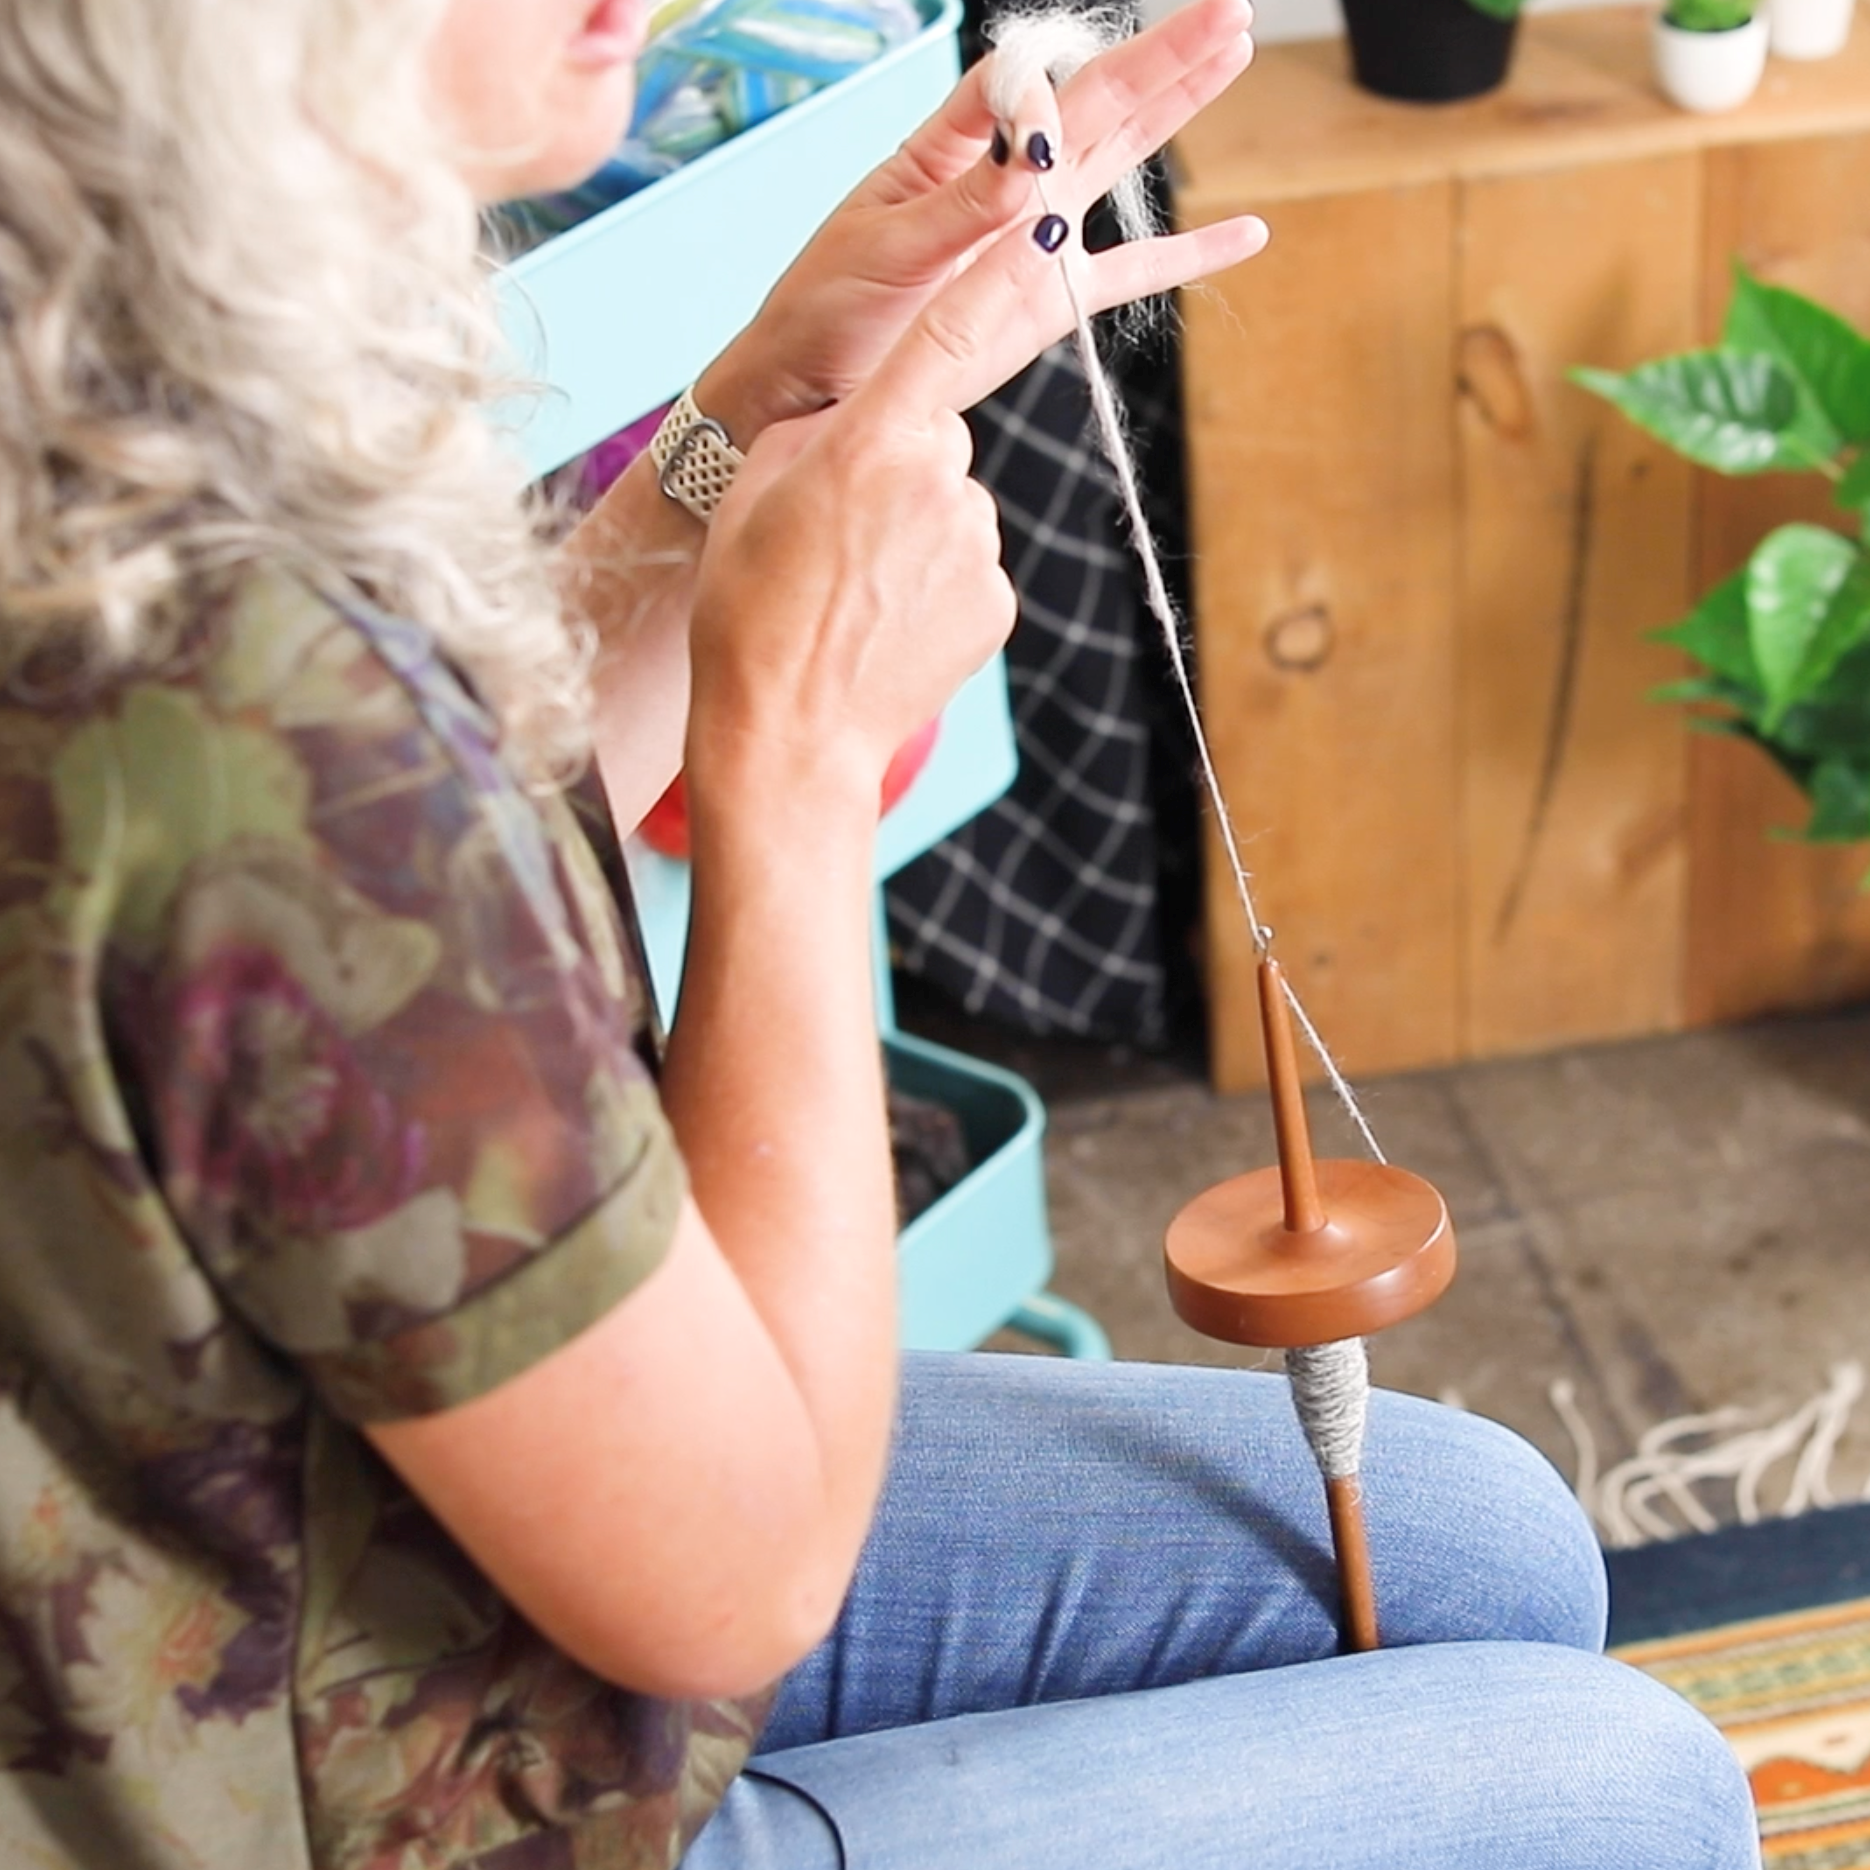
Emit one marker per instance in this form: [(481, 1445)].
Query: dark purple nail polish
[(1051, 232), (1000, 149), (1039, 150)]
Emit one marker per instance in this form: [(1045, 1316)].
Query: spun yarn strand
[(1117, 450), (1054, 45), (1330, 1382)]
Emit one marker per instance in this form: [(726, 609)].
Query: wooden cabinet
[(1426, 563)]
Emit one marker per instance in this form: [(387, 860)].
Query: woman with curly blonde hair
[(432, 1416)]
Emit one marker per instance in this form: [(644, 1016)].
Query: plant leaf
[(1827, 357), (1709, 15), (1840, 804), (1833, 722), (1791, 582), (1716, 634), (1500, 9), (1696, 688), (1853, 491), (1844, 626), (1734, 411)]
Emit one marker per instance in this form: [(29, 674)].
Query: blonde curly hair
[(244, 318)]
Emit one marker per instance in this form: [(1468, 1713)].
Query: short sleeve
[(382, 1037)]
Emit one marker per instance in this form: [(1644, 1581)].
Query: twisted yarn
[(1330, 1382)]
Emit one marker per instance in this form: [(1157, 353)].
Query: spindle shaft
[(1298, 1174), (1349, 1540)]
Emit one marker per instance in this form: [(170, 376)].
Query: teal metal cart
[(606, 352)]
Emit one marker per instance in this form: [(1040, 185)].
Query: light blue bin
[(979, 1258), (617, 315), (969, 1261)]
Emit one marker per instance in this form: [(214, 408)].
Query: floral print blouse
[(325, 1098)]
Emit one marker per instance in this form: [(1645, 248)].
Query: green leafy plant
[(1783, 645), (1500, 9), (1709, 15)]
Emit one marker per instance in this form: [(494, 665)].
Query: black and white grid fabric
[(1056, 910)]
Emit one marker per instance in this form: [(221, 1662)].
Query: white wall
[(1312, 19)]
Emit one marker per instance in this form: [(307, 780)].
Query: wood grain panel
[(1773, 926), (1576, 540), (1320, 436), (1581, 91)]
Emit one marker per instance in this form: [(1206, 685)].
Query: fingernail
[(1050, 233), (1039, 150), (1000, 149)]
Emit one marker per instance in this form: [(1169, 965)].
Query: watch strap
[(695, 461)]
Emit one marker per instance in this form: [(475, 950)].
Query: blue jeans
[(1094, 1627)]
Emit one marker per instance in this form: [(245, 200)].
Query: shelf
[(613, 318), (1580, 92), (1427, 564), (617, 314)]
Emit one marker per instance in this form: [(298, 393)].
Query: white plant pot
[(1710, 70), (1810, 28)]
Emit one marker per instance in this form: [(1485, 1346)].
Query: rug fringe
[(1660, 1492)]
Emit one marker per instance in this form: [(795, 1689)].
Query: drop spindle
[(1308, 1257)]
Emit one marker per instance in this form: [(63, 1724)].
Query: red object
[(665, 824), (910, 759)]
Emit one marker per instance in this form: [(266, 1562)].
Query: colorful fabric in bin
[(611, 456), (714, 69)]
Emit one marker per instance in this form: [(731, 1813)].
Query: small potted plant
[(1783, 646), (1710, 53), (1431, 51), (1810, 28)]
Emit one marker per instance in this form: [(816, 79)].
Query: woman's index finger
[(950, 141), (949, 147), (967, 340)]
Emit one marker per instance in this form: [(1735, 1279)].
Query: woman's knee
[(1531, 1756), (1643, 1769), (1498, 1756), (1477, 1532), (1538, 1757), (1474, 1534)]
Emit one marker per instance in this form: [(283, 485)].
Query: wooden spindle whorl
[(1308, 1252)]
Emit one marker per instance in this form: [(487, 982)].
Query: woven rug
[(1766, 1629)]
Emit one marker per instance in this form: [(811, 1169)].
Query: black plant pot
[(1427, 51)]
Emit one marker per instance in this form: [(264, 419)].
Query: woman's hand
[(929, 213), (919, 226), (851, 582)]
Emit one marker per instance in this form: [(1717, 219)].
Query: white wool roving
[(1028, 46)]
